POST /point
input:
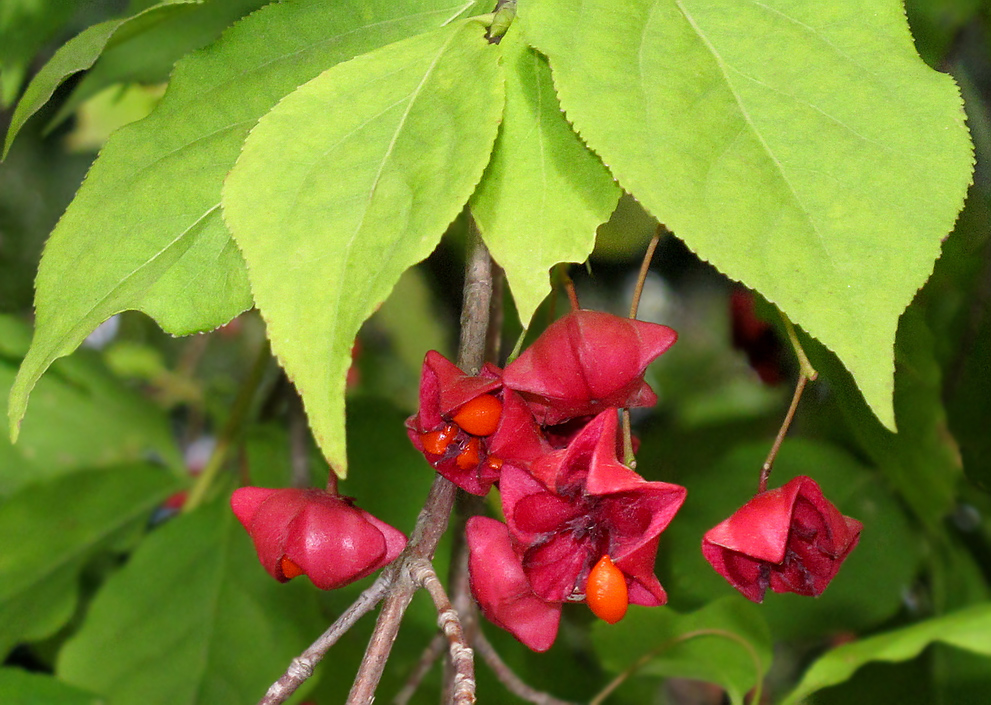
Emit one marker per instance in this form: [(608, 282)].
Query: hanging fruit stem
[(806, 374), (628, 458)]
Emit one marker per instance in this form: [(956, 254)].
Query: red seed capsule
[(470, 456), (480, 416), (436, 442), (289, 568), (606, 592)]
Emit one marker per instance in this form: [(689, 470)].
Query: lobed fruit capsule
[(480, 416), (436, 442), (289, 568), (606, 592)]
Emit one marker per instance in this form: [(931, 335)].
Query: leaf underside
[(968, 629)]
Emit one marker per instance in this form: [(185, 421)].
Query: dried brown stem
[(433, 519), (628, 457), (644, 268), (765, 470), (302, 666), (569, 288), (466, 506), (806, 374), (460, 654), (509, 679)]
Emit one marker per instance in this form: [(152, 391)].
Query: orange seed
[(480, 416), (470, 456), (436, 442), (606, 592), (289, 568)]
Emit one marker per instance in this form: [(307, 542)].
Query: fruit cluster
[(580, 525)]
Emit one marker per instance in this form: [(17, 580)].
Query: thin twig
[(433, 519), (765, 470), (427, 660), (803, 360), (628, 457), (806, 374), (465, 507), (476, 305), (430, 526), (459, 652), (569, 286), (302, 666), (509, 679), (644, 268)]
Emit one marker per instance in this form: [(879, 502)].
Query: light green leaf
[(25, 25), (78, 54), (361, 170), (726, 642), (145, 232), (801, 147), (194, 602), (21, 687), (544, 193), (48, 531), (147, 53), (968, 629), (84, 418)]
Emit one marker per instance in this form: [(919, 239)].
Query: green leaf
[(968, 629), (25, 688), (726, 642), (78, 54), (145, 231), (49, 530), (191, 618), (544, 193), (84, 417), (146, 54), (800, 147), (873, 580), (25, 25), (361, 170)]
